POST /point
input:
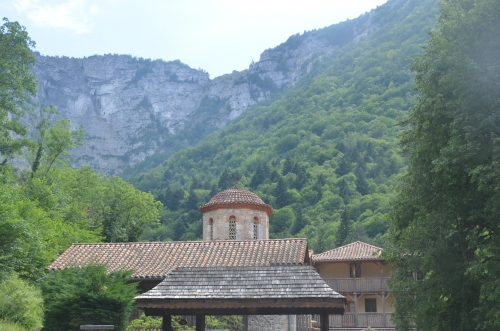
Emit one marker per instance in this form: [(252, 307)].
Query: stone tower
[(236, 214)]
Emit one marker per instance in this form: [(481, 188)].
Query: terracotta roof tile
[(157, 259), (355, 251), (235, 197)]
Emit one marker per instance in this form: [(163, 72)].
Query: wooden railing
[(358, 285), (363, 320)]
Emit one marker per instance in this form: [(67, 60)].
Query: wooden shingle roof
[(272, 282), (356, 251), (236, 198), (157, 259), (242, 291)]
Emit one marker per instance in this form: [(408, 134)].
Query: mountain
[(134, 108), (324, 152)]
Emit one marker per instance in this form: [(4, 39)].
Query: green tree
[(127, 211), (225, 180), (87, 295), (20, 303), (17, 83), (281, 193), (53, 141), (287, 166), (445, 217), (344, 227)]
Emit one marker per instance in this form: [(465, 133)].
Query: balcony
[(348, 320), (358, 285)]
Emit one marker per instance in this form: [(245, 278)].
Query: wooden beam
[(167, 323), (324, 322), (241, 311), (200, 322)]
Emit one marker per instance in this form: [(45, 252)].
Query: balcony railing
[(362, 320), (358, 285)]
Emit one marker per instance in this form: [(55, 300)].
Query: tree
[(87, 295), (127, 211), (343, 231), (17, 83), (361, 183), (281, 193), (225, 180), (287, 166), (444, 221), (20, 303), (52, 142)]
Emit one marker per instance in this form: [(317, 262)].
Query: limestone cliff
[(131, 108)]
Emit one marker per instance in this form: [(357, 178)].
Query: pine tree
[(344, 166), (281, 193), (225, 180), (361, 183), (343, 231), (287, 166), (299, 222)]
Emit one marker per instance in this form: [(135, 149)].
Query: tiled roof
[(234, 198), (273, 282), (356, 251), (157, 259)]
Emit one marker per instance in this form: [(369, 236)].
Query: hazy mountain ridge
[(134, 108)]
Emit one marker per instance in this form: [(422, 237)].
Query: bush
[(21, 305), (87, 295), (7, 326)]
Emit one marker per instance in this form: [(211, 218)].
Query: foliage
[(17, 82), (87, 295), (21, 304), (144, 323), (52, 141), (211, 322), (445, 216), (327, 145)]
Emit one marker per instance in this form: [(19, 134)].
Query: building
[(359, 273), (236, 234)]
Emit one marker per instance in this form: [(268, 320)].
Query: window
[(355, 270), (232, 228), (351, 307), (371, 305), (255, 228), (211, 229)]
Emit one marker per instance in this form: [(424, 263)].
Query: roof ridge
[(188, 242)]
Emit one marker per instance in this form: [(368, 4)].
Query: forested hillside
[(324, 154)]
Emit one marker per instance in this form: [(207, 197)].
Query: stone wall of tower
[(244, 224)]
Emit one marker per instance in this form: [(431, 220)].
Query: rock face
[(131, 108)]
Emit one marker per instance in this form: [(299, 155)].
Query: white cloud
[(75, 15)]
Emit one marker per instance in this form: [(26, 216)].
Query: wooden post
[(356, 310), (200, 322), (245, 318), (167, 323), (383, 309), (325, 323)]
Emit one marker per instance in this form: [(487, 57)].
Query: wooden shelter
[(261, 290)]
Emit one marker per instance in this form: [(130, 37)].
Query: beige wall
[(244, 224), (341, 269)]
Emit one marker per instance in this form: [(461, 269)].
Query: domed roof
[(236, 198)]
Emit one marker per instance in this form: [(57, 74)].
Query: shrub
[(20, 304), (87, 295)]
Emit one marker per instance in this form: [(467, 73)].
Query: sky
[(218, 36)]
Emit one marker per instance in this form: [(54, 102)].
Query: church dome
[(236, 198)]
